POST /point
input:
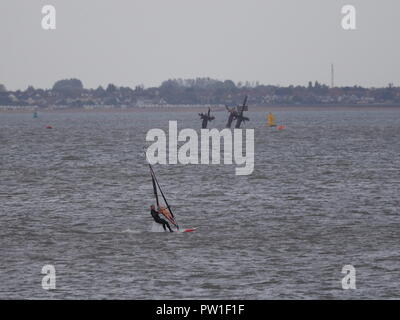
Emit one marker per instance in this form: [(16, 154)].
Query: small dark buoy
[(49, 127)]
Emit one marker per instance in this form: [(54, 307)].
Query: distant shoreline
[(274, 108)]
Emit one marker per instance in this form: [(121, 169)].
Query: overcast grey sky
[(147, 41)]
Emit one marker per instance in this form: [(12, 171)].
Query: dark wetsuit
[(157, 219), (204, 122)]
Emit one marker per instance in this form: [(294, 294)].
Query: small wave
[(131, 231), (71, 158)]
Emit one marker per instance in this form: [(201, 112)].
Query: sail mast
[(154, 186), (159, 187)]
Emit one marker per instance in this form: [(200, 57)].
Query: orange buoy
[(49, 127), (280, 127)]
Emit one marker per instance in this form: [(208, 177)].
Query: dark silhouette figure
[(206, 117), (240, 118), (232, 116), (237, 114)]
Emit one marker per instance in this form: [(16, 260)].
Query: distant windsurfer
[(237, 114), (156, 216), (232, 116), (206, 117), (240, 118)]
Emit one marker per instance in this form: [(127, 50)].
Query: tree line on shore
[(199, 91)]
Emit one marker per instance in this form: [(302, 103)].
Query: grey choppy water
[(324, 193)]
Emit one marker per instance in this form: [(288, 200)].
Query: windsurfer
[(157, 219)]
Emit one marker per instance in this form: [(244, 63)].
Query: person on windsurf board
[(206, 117), (167, 219), (156, 216)]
